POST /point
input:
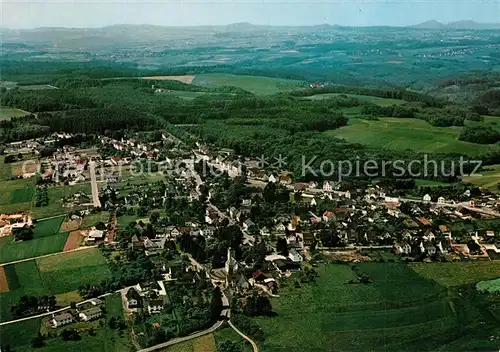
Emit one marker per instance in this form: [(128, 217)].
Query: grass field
[(12, 251), (414, 134), (456, 274), (255, 84), (5, 170), (23, 279), (66, 272), (368, 98), (399, 310), (59, 275), (204, 343), (7, 113), (488, 179), (226, 333), (19, 335), (48, 227), (16, 195)]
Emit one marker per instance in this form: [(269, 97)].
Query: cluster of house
[(134, 147), (91, 313), (146, 297)]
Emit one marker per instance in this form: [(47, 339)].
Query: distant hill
[(110, 37), (472, 25)]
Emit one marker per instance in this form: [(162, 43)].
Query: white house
[(441, 200), (62, 319), (295, 256), (155, 306), (427, 198), (90, 314), (272, 179), (327, 186)]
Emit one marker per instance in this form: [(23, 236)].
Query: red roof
[(424, 221)]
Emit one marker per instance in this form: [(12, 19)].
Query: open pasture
[(68, 271), (16, 195), (19, 335), (13, 251), (59, 275), (363, 98), (258, 85), (5, 169), (23, 279), (489, 178), (399, 310), (188, 79), (205, 343), (457, 273), (48, 227), (402, 134), (6, 113)]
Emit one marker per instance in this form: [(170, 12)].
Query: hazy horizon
[(21, 14)]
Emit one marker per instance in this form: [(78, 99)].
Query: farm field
[(414, 134), (16, 195), (68, 271), (23, 279), (204, 343), (59, 275), (368, 98), (5, 169), (489, 178), (399, 310), (37, 87), (48, 227), (188, 79), (258, 85), (6, 113), (19, 335), (10, 251), (456, 274)]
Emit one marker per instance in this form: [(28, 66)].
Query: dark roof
[(133, 294)]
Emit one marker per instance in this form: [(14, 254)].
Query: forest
[(284, 123)]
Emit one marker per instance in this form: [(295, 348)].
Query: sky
[(99, 13)]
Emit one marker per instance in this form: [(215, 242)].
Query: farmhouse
[(95, 235), (62, 319)]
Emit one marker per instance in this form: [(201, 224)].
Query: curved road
[(254, 345)]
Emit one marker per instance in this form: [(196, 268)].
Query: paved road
[(48, 255), (93, 182), (254, 345)]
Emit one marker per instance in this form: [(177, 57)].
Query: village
[(203, 219)]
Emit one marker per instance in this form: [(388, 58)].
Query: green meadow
[(414, 134), (258, 85), (399, 311), (365, 98), (53, 275)]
